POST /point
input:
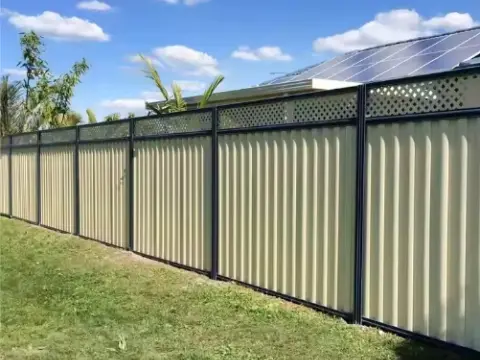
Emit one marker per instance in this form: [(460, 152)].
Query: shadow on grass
[(410, 350)]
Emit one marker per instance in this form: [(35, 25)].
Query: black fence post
[(214, 265), (10, 187), (39, 187), (131, 155), (360, 206), (76, 183)]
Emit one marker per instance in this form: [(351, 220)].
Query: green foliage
[(113, 117), (130, 115), (71, 118), (67, 298), (176, 104), (32, 48), (47, 99), (11, 119), (64, 86), (210, 90), (92, 118)]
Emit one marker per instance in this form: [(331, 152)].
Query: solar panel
[(412, 57)]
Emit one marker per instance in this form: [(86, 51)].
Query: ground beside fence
[(67, 298)]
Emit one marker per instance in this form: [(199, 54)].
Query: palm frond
[(209, 92), (152, 74), (92, 118), (180, 104)]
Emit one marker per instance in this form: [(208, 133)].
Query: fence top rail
[(453, 90), (425, 77)]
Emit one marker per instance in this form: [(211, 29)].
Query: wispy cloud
[(272, 53), (94, 6)]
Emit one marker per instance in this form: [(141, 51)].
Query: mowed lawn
[(63, 297)]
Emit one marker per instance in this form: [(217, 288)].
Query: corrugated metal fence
[(362, 202)]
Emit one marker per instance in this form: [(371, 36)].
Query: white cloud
[(138, 59), (51, 24), (186, 60), (191, 86), (132, 104), (273, 53), (14, 72), (94, 6), (136, 104), (186, 2), (125, 104), (392, 26)]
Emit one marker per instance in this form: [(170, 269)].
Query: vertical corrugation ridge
[(103, 182), (423, 232), (283, 219), (56, 173), (24, 164), (171, 188)]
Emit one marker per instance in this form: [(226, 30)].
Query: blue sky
[(193, 40)]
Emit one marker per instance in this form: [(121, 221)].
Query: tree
[(130, 115), (92, 118), (47, 99), (11, 119), (176, 104), (113, 117), (32, 47), (65, 85)]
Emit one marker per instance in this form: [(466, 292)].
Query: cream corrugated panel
[(104, 192), (57, 195), (4, 206), (173, 200), (287, 214), (422, 266), (24, 183)]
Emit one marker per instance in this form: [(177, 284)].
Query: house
[(396, 60)]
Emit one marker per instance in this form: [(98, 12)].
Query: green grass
[(67, 298)]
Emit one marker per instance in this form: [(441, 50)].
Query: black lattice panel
[(104, 131), (58, 136), (442, 94), (25, 139), (324, 108), (176, 124), (4, 142), (253, 115)]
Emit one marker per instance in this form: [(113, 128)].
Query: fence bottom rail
[(458, 349), (324, 309)]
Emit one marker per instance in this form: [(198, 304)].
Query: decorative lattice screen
[(58, 136), (417, 97), (25, 139), (314, 109), (109, 130), (174, 124)]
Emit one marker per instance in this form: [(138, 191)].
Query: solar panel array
[(413, 57)]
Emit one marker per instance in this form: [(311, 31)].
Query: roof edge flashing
[(327, 84), (253, 92)]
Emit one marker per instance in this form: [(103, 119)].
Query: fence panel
[(24, 183), (173, 200), (4, 180), (422, 264), (286, 219), (103, 181), (57, 192)]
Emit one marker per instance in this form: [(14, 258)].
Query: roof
[(422, 55), (395, 60)]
